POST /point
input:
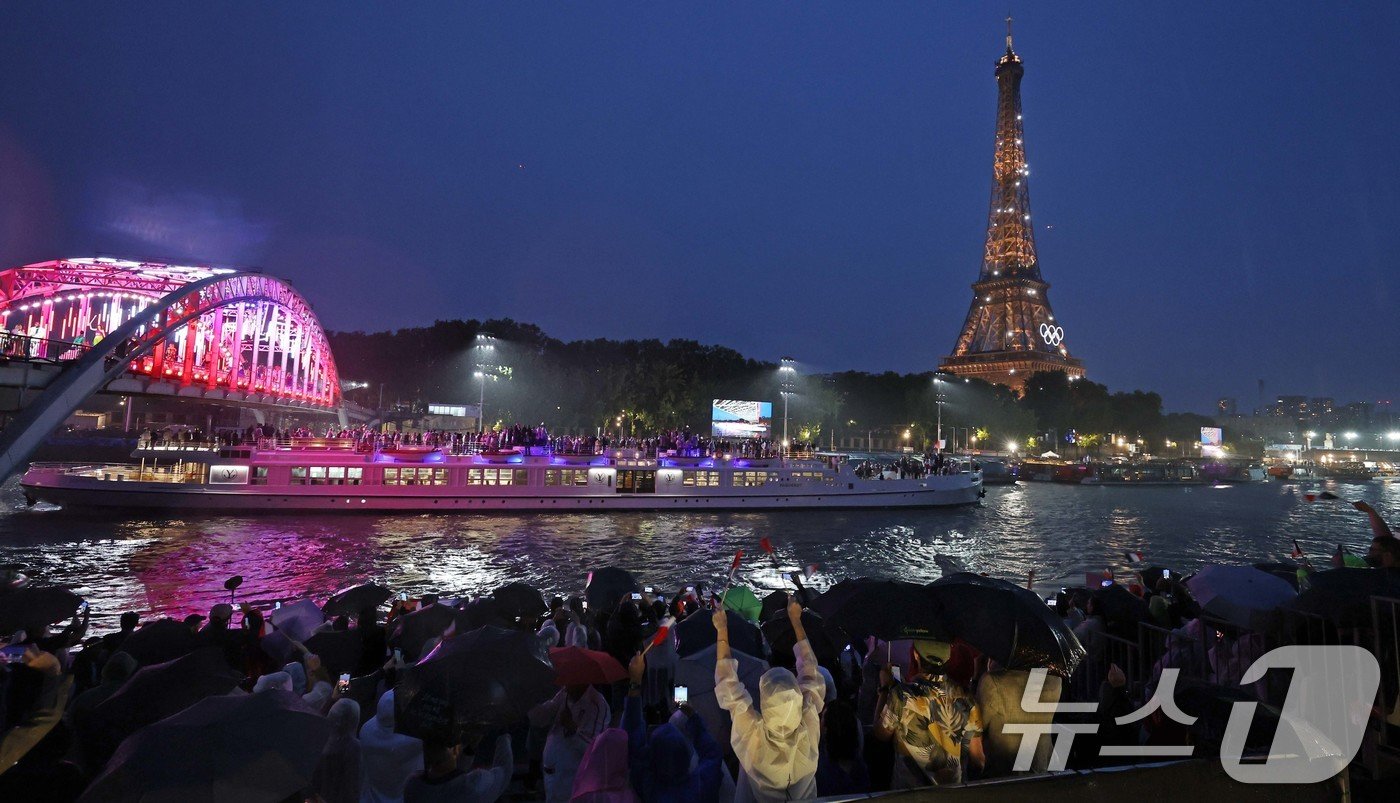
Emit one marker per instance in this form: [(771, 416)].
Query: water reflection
[(178, 564)]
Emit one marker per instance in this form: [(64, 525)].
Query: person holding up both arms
[(777, 743)]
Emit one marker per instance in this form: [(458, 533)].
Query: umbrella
[(412, 630), (697, 673), (575, 666), (339, 650), (886, 609), (519, 601), (483, 612), (298, 620), (697, 631), (353, 600), (607, 587), (490, 677), (279, 647), (1287, 572), (33, 607), (1343, 596), (1005, 621), (776, 602), (742, 601), (1151, 575), (256, 747), (781, 639), (160, 641), (1239, 595), (155, 692), (1119, 605)]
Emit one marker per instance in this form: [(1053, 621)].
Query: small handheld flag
[(1297, 550), (765, 545), (1134, 557), (734, 567)]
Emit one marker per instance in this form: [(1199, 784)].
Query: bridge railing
[(15, 346)]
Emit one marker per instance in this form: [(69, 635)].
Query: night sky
[(1214, 184)]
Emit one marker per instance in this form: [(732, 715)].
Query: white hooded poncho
[(387, 759), (776, 744)]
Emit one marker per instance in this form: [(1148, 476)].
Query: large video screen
[(1212, 436), (733, 418)]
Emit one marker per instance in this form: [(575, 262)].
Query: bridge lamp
[(1394, 435), (1351, 436)]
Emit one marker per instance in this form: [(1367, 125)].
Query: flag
[(765, 545), (1297, 550), (734, 567), (661, 634), (1133, 557), (1310, 497), (809, 571)]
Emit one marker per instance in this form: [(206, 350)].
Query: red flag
[(765, 545), (1297, 550), (1310, 497), (809, 571), (661, 634), (738, 556)]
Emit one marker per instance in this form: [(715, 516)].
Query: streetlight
[(938, 400), (787, 374), (1307, 440), (485, 367)]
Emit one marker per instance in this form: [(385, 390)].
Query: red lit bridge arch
[(209, 333)]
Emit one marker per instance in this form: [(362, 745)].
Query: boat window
[(700, 479), (353, 476), (298, 475), (474, 476), (415, 476), (259, 475), (566, 476), (749, 479)]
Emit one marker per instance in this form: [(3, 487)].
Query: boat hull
[(72, 493)]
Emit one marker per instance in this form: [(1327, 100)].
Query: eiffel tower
[(1010, 331)]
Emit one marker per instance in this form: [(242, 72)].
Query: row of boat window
[(554, 477)]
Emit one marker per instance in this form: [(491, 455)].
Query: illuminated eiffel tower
[(1010, 331)]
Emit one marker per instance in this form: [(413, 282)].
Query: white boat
[(327, 474)]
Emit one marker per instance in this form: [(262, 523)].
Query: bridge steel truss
[(233, 335)]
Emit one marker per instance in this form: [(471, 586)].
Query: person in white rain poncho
[(776, 743), (387, 759)]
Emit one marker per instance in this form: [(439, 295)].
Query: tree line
[(642, 386)]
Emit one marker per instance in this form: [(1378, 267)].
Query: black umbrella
[(887, 609), (490, 677), (697, 631), (775, 603), (1343, 596), (519, 601), (1151, 575), (155, 692), (412, 630), (1008, 623), (483, 612), (160, 641), (1118, 605), (353, 600), (32, 607), (607, 587), (256, 747), (1283, 571), (339, 650), (781, 639)]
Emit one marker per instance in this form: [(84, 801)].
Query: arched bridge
[(210, 333)]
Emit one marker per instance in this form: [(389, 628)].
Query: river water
[(176, 565)]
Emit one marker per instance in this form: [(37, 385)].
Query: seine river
[(177, 565)]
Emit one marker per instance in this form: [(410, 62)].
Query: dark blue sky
[(812, 179)]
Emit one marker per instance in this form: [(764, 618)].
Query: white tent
[(1049, 454)]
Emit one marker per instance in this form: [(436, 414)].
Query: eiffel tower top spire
[(1008, 34)]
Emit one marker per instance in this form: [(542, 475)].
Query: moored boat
[(330, 474)]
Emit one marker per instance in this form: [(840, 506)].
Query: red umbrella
[(575, 666)]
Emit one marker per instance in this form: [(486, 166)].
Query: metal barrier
[(1385, 628)]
